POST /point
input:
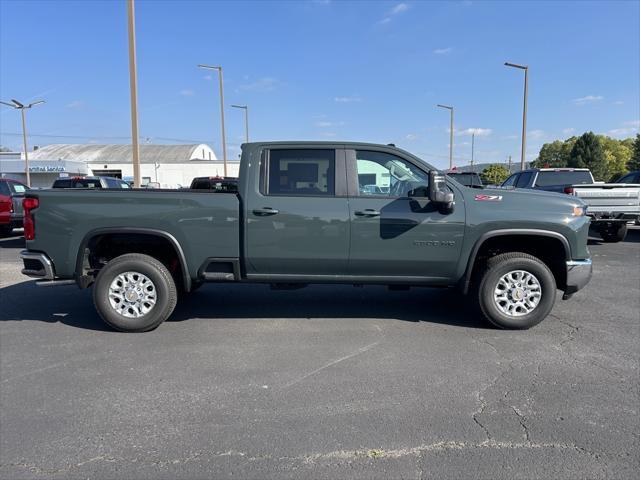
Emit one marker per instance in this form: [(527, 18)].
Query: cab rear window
[(546, 179)]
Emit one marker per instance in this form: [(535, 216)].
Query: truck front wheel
[(134, 293), (516, 290)]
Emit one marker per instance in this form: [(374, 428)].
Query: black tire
[(154, 270), (487, 283), (615, 233)]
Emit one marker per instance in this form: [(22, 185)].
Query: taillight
[(568, 190), (29, 204)]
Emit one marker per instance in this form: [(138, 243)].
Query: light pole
[(133, 85), (473, 138), (246, 120), (524, 110), (224, 141), (450, 135), (22, 107)]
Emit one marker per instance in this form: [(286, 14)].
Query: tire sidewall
[(160, 279), (490, 280)]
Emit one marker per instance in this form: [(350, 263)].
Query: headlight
[(579, 211)]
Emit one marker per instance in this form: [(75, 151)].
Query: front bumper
[(578, 275)]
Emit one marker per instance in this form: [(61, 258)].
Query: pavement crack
[(522, 419)]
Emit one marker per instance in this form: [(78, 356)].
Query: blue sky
[(324, 70)]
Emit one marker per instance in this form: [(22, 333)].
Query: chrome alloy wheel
[(132, 294), (517, 293)]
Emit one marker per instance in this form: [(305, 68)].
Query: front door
[(395, 230), (298, 220)]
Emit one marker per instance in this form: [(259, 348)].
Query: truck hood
[(527, 198)]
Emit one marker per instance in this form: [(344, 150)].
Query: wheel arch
[(504, 237), (91, 236)]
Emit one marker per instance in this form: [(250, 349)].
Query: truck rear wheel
[(615, 233), (516, 290), (134, 293)]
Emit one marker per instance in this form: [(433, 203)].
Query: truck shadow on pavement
[(12, 242), (67, 305)]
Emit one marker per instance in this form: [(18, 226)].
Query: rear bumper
[(578, 274), (37, 265)]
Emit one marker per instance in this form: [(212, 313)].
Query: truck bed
[(201, 222)]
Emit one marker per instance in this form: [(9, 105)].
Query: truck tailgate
[(610, 197)]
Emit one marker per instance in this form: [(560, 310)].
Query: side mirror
[(439, 193)]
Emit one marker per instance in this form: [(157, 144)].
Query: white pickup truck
[(611, 205)]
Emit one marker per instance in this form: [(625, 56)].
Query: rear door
[(399, 233), (298, 218)]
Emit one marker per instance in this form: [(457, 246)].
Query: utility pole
[(450, 134), (133, 85), (509, 163), (524, 111), (22, 107), (246, 120), (224, 141)]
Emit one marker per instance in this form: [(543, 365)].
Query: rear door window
[(4, 189), (547, 179), (308, 172)]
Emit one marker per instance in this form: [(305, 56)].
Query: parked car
[(215, 184), (631, 177), (560, 180), (11, 194), (300, 218), (468, 179), (612, 206), (90, 182)]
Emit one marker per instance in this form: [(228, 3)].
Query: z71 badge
[(488, 198)]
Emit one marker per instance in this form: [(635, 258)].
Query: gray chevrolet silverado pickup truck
[(305, 213)]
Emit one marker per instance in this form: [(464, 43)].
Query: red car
[(11, 193)]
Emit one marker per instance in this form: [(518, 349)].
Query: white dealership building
[(171, 166)]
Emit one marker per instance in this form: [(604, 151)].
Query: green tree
[(555, 154), (634, 162), (617, 154), (588, 153), (494, 174)]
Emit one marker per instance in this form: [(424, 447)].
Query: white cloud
[(628, 129), (398, 9), (479, 132), (264, 84), (511, 137), (618, 102), (328, 134), (443, 51), (208, 77), (186, 92), (411, 136), (401, 7), (588, 99), (568, 131), (326, 124), (348, 99), (535, 134), (76, 104)]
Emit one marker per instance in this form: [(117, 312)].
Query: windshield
[(546, 179)]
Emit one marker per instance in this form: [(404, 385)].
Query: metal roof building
[(170, 166), (123, 153)]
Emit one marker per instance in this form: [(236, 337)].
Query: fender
[(186, 278), (502, 233)]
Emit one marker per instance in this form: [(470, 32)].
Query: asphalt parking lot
[(326, 382)]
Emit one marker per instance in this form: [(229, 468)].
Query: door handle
[(369, 212), (264, 212)]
